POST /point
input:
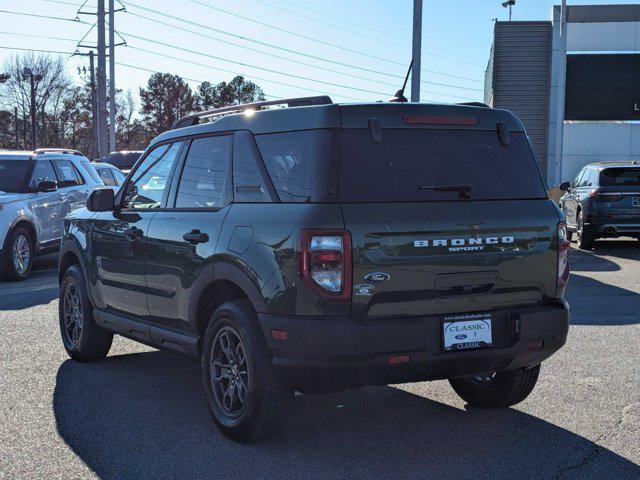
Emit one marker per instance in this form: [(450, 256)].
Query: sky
[(352, 50)]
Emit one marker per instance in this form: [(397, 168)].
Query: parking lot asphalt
[(141, 413)]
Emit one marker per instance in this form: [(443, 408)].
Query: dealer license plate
[(467, 331)]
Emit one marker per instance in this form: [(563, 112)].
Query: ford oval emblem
[(462, 336), (377, 277)]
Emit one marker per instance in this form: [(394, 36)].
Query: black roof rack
[(475, 104), (66, 151), (194, 118)]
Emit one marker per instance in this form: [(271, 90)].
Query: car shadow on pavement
[(41, 288), (621, 248), (144, 416), (597, 303)]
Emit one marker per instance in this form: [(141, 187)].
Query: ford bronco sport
[(326, 246)]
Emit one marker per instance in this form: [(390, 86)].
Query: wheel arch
[(26, 222), (229, 283)]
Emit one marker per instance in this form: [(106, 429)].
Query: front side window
[(68, 174), (148, 184), (203, 180), (43, 170)]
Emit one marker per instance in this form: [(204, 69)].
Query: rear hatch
[(619, 192), (447, 210)]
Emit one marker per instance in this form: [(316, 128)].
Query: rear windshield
[(436, 165), (13, 175), (123, 160), (620, 177)]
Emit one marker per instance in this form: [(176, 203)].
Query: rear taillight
[(325, 262), (563, 258)]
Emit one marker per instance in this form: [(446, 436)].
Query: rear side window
[(43, 170), (248, 184), (106, 177), (436, 165), (86, 164), (619, 177), (203, 180), (68, 174), (299, 163)]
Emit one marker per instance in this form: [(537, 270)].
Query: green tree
[(166, 98), (236, 92)]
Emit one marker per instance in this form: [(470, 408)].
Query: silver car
[(37, 190)]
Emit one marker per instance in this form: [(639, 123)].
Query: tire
[(18, 254), (585, 237), (232, 330), (502, 390), (83, 339)]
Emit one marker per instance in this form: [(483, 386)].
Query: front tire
[(83, 339), (245, 396), (18, 254), (501, 390)]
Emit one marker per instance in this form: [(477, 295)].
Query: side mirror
[(564, 186), (47, 186), (101, 200)]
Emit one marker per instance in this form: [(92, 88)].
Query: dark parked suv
[(603, 201), (326, 246)]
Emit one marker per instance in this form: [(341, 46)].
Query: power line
[(278, 72), (48, 17), (204, 65), (57, 52), (321, 22), (312, 39), (263, 52), (350, 22), (288, 50), (252, 66), (253, 77)]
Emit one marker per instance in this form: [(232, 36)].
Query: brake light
[(325, 262), (563, 258), (593, 194)]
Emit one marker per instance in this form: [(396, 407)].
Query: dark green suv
[(326, 246)]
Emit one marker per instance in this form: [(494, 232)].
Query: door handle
[(133, 232), (195, 236)]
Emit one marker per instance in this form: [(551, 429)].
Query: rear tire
[(585, 236), (245, 396), (502, 390), (83, 339), (18, 254)]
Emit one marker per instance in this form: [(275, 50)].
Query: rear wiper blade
[(462, 188)]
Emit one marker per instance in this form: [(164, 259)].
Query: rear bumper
[(614, 225), (323, 354)]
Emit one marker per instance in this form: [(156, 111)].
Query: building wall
[(520, 69), (592, 29)]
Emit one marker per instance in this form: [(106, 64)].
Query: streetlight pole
[(112, 79), (416, 50)]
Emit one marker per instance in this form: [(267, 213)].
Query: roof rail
[(194, 118), (475, 104), (67, 151)]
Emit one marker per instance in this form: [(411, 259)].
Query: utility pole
[(416, 50), (27, 72), (561, 89), (112, 79), (102, 83), (94, 105), (15, 116)]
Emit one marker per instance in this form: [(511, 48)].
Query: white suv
[(37, 190)]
